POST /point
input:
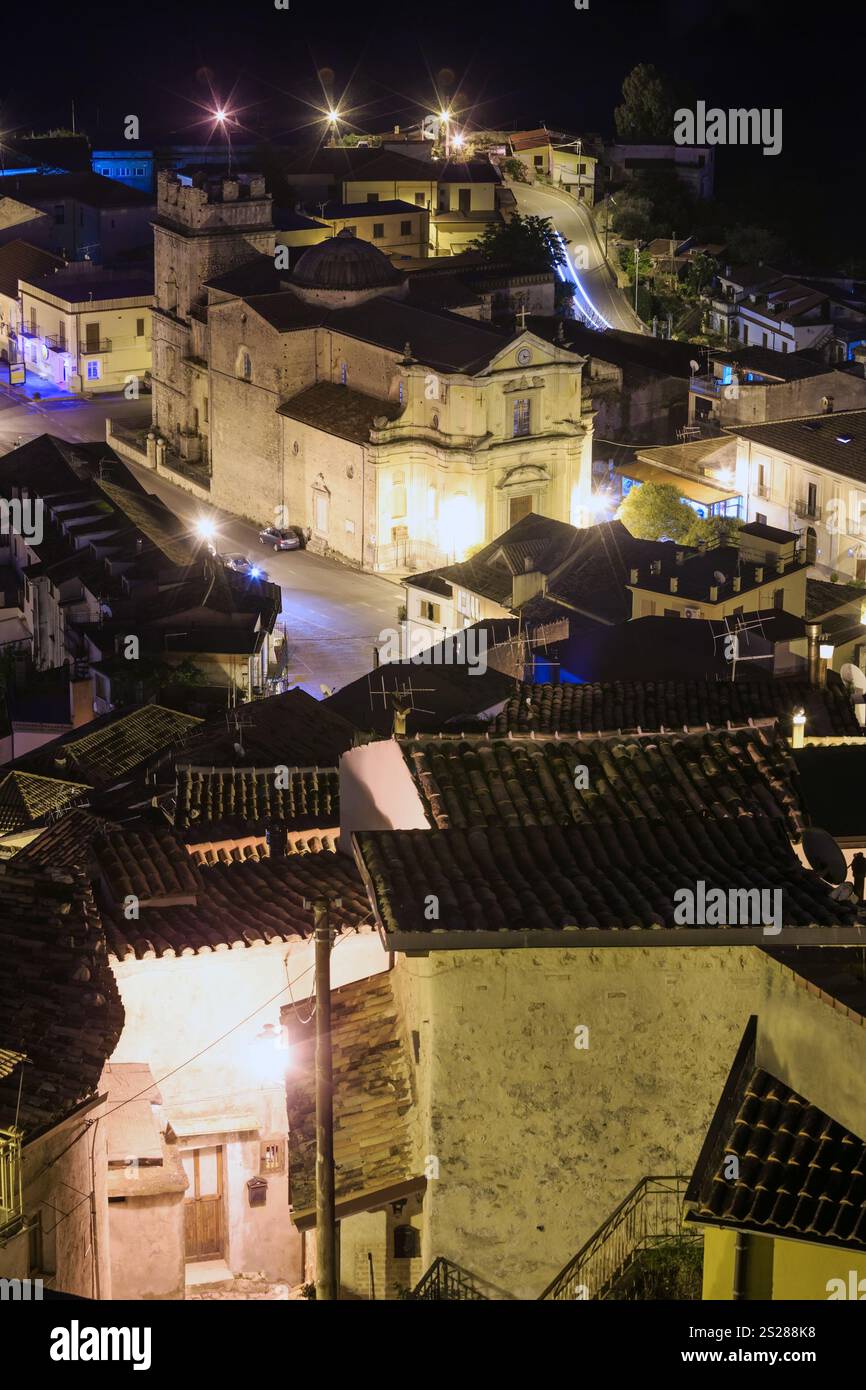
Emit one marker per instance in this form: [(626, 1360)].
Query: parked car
[(240, 564), (283, 537)]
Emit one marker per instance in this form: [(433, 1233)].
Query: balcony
[(92, 346), (11, 1196), (806, 510), (762, 490), (706, 385)]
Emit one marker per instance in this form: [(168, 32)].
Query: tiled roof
[(64, 844), (801, 1174), (338, 410), (540, 539), (239, 905), (373, 1148), (111, 746), (441, 695), (59, 1004), (25, 799), (208, 852), (246, 798), (526, 782), (649, 705), (822, 597), (149, 863), (816, 440)]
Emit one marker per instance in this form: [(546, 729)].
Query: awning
[(693, 488)]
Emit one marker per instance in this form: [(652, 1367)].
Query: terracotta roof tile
[(241, 799), (26, 799)]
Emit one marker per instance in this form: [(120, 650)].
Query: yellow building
[(778, 1186), (461, 196), (550, 160), (87, 329), (396, 227), (296, 231)]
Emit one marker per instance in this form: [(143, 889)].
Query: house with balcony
[(19, 261), (398, 228), (552, 157), (808, 475), (87, 329)]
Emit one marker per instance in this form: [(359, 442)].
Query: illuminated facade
[(326, 397)]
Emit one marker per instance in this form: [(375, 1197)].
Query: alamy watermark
[(23, 517), (466, 648), (733, 907), (755, 126)]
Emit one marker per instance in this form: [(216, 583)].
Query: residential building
[(805, 475), (398, 228), (88, 215), (694, 165), (753, 385), (18, 261), (550, 158), (87, 329)]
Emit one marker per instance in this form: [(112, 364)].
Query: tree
[(531, 243), (712, 531), (700, 274), (747, 245), (656, 512), (515, 169), (647, 110)]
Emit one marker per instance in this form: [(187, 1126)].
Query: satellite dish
[(240, 750), (824, 855), (719, 577), (694, 366), (852, 675)]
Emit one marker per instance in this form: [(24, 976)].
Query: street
[(332, 614), (601, 294)]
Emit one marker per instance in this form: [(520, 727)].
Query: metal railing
[(651, 1214), (808, 511), (446, 1282), (92, 345), (11, 1193)]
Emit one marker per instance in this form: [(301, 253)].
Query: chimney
[(633, 576), (827, 403), (714, 593), (813, 643), (780, 565), (858, 873), (680, 557), (674, 583), (737, 583), (759, 574), (276, 837)]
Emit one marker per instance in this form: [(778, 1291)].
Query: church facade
[(397, 435)]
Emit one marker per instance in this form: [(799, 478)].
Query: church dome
[(345, 263)]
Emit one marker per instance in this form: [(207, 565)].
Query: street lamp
[(445, 117), (223, 120)]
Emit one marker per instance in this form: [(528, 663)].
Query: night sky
[(543, 61)]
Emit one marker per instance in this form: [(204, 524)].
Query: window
[(429, 611), (205, 405), (400, 392), (246, 366), (407, 1243), (61, 334), (464, 199), (420, 200), (140, 172), (91, 337), (272, 1156), (378, 231), (139, 328), (521, 418), (538, 161), (812, 499), (372, 197), (779, 599), (760, 518), (320, 504), (93, 371), (59, 214), (344, 373), (195, 418), (518, 508), (406, 227)]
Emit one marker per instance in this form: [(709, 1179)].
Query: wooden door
[(203, 1208)]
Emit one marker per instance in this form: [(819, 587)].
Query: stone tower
[(200, 231)]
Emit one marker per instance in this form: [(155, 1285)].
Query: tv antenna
[(400, 699)]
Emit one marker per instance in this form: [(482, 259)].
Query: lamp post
[(326, 1222)]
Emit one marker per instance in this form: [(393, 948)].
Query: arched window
[(244, 364)]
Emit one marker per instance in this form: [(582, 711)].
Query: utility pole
[(636, 271), (326, 1223)]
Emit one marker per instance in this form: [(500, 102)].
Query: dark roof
[(373, 1095), (787, 366), (239, 905), (386, 206), (210, 802), (146, 861), (339, 410), (285, 220), (257, 276), (21, 261), (800, 1174), (823, 597), (291, 730), (491, 570), (442, 695), (345, 262), (27, 800), (769, 533), (64, 844), (649, 705), (59, 1004), (660, 355), (815, 440), (96, 285), (699, 571), (830, 781), (91, 189)]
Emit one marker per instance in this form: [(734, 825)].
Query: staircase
[(447, 1282), (650, 1216)]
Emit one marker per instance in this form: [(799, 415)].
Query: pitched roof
[(288, 730), (817, 439), (240, 905), (108, 747), (339, 410), (64, 844), (627, 706), (490, 572), (91, 189), (21, 261), (210, 802), (801, 1175), (822, 597), (439, 694), (373, 1098), (26, 799), (59, 1003), (148, 863)]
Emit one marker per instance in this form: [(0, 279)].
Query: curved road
[(599, 300)]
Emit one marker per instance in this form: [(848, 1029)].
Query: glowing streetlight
[(205, 529), (333, 116), (458, 141), (221, 116), (445, 117)]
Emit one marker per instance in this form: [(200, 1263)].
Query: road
[(603, 303), (332, 614)]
